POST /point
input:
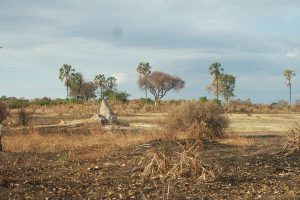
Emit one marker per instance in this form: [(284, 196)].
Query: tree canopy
[(160, 83)]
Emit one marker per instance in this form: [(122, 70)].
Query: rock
[(106, 111)]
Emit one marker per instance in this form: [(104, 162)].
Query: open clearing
[(79, 160)]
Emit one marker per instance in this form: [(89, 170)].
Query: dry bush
[(186, 163), (4, 111), (202, 120), (293, 139), (25, 115)]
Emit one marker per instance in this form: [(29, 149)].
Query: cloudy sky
[(254, 40)]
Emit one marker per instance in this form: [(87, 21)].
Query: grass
[(32, 141), (275, 123), (241, 124)]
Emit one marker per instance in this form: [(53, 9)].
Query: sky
[(253, 40)]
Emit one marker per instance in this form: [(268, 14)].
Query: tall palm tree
[(64, 75), (143, 70), (216, 70), (100, 81), (288, 74)]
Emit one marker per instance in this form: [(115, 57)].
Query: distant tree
[(288, 74), (160, 83), (203, 99), (143, 70), (100, 82), (111, 83), (227, 86), (76, 83), (64, 75), (216, 70), (116, 95), (88, 90)]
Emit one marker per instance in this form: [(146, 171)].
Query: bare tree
[(160, 83)]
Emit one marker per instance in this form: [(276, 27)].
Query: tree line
[(157, 83), (78, 88)]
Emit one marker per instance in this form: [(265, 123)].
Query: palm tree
[(64, 75), (144, 70), (111, 83), (100, 81), (288, 74), (216, 70)]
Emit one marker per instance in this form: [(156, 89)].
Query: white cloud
[(292, 54), (119, 76)]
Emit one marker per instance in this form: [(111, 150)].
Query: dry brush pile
[(164, 163), (293, 139), (200, 120)]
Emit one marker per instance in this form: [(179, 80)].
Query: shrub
[(216, 101), (25, 116), (116, 95), (14, 102), (3, 111), (202, 120), (203, 99), (293, 139)]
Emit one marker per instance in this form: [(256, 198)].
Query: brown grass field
[(62, 154)]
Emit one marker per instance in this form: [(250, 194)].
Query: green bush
[(203, 99), (116, 95), (14, 102)]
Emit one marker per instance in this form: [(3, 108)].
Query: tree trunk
[(0, 137), (156, 101), (146, 94), (218, 89), (67, 92), (290, 94)]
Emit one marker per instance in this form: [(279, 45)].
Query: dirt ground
[(250, 166)]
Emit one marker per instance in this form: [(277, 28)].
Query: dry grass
[(186, 163), (293, 139), (30, 140)]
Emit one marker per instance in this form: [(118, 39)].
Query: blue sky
[(254, 40)]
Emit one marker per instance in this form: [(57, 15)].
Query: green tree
[(227, 86), (111, 83), (288, 74), (100, 82), (143, 70), (216, 70), (76, 84), (64, 75), (116, 95)]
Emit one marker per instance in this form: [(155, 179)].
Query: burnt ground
[(258, 171)]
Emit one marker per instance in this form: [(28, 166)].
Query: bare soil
[(261, 170)]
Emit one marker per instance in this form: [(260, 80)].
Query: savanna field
[(151, 152)]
